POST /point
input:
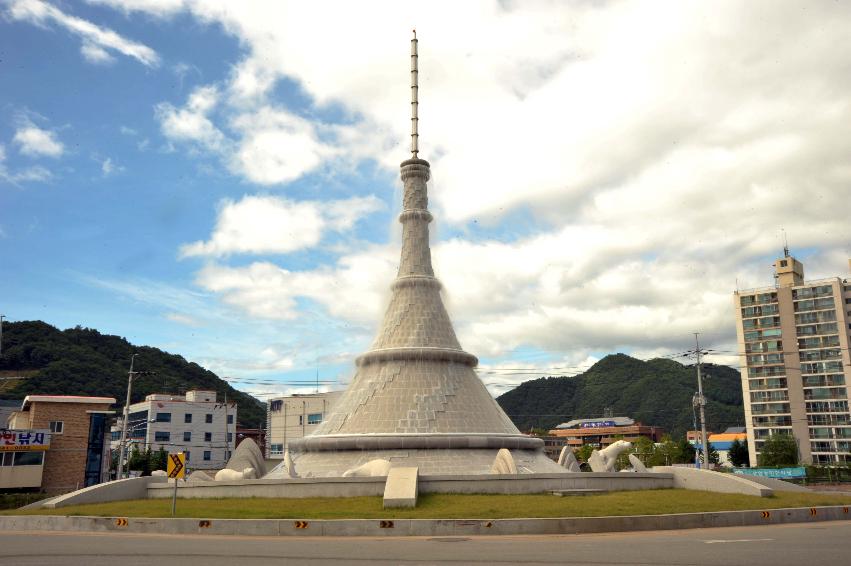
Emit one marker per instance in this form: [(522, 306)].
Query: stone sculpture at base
[(247, 455), (232, 475), (373, 468), (637, 465), (199, 475), (504, 463), (604, 460), (289, 466), (567, 459)]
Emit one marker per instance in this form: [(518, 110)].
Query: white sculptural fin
[(504, 463), (567, 459)]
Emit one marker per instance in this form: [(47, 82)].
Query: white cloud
[(96, 54), (276, 146), (34, 142), (353, 290), (653, 152), (127, 131), (182, 318), (191, 123), (267, 225), (108, 167), (35, 173), (96, 39)]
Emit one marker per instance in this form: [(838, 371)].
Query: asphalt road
[(813, 544)]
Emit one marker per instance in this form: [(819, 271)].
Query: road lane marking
[(717, 541)]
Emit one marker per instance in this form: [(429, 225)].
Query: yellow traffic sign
[(176, 465)]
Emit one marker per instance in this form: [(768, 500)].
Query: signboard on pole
[(176, 465)]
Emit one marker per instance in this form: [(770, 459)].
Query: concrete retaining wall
[(131, 488), (542, 483), (296, 488), (707, 480), (423, 527), (355, 487), (777, 485)]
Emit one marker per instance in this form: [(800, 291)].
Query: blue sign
[(598, 424), (780, 473)]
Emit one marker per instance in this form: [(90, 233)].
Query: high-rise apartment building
[(794, 341)]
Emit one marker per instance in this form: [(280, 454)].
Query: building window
[(208, 437), (230, 419), (207, 455), (162, 436), (28, 458), (277, 449), (314, 418), (208, 418), (276, 406), (187, 418), (187, 454), (187, 436), (116, 434), (230, 437), (56, 427), (163, 417), (783, 263), (300, 420)]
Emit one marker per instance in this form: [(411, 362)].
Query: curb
[(423, 527)]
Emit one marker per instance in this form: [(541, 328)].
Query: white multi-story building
[(294, 416), (795, 340), (196, 424)]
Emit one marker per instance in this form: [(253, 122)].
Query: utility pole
[(701, 404), (227, 443), (122, 445), (2, 316)]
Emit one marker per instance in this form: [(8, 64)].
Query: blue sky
[(221, 179)]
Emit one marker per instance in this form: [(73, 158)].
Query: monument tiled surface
[(416, 387)]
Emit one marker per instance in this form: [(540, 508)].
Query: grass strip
[(450, 506)]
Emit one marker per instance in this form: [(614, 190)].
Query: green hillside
[(656, 392), (82, 361)]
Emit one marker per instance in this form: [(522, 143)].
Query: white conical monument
[(416, 399)]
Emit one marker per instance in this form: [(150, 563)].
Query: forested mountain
[(82, 361), (656, 392)]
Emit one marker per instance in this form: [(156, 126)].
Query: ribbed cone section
[(416, 379)]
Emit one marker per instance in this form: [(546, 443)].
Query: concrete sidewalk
[(422, 527)]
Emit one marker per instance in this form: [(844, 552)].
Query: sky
[(220, 179)]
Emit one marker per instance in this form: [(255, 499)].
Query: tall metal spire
[(415, 136)]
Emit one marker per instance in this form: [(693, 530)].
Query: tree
[(738, 454), (146, 462), (665, 454), (643, 448), (584, 452), (779, 450), (159, 459), (136, 461), (714, 458), (686, 452)]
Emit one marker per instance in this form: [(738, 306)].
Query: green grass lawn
[(445, 506)]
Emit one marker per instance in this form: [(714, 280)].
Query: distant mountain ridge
[(82, 361), (655, 392)]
